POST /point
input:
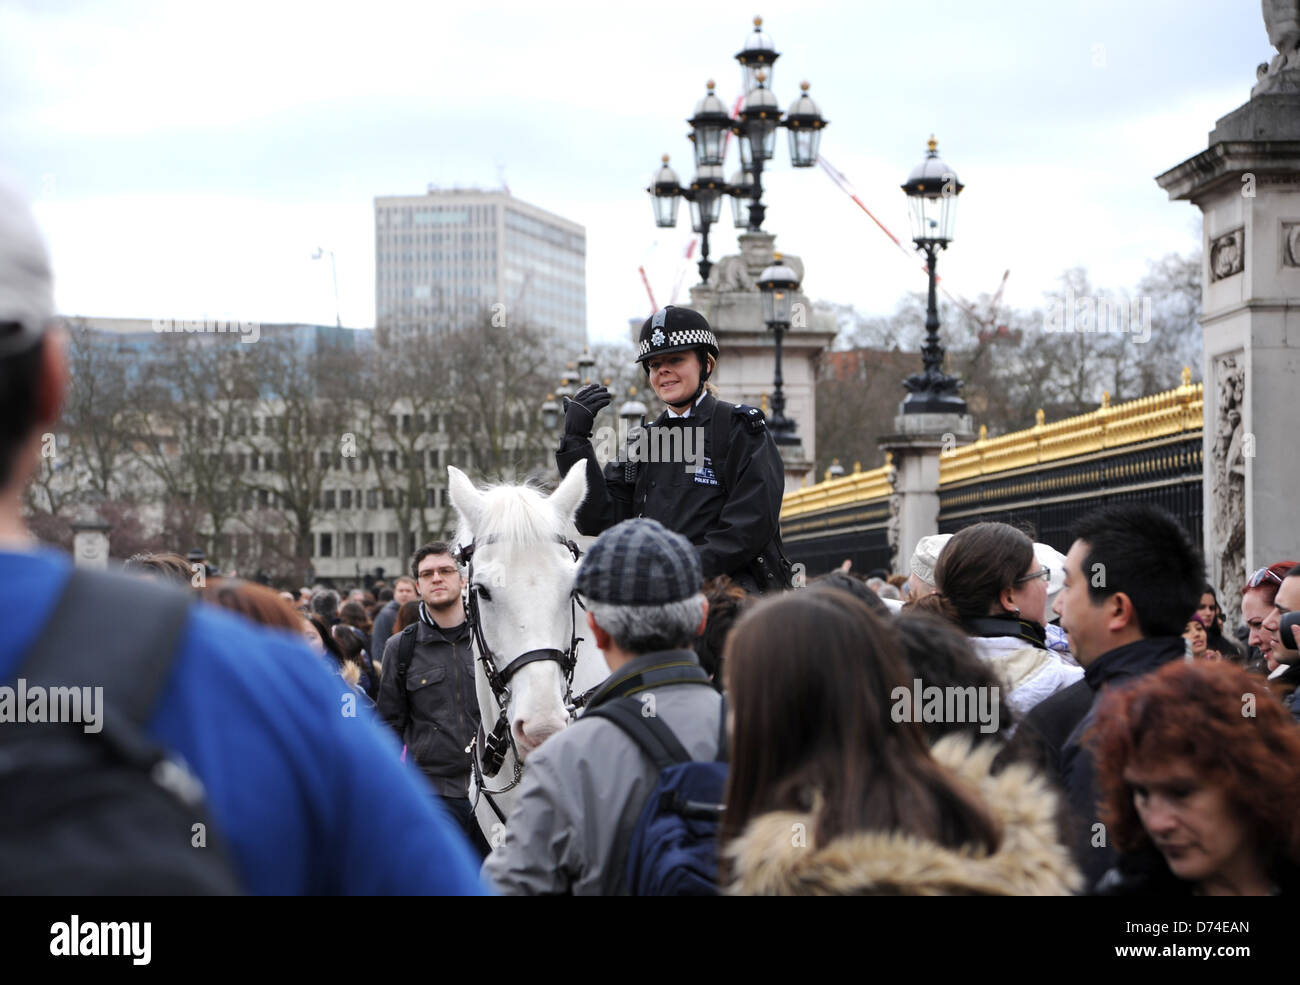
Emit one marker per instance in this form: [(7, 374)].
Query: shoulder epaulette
[(754, 419)]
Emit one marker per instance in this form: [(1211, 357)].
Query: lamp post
[(550, 413), (778, 284), (320, 252), (932, 189), (586, 361)]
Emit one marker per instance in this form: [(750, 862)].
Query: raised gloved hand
[(580, 412)]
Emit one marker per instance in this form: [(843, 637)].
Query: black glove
[(580, 412)]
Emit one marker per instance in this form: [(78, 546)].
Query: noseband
[(488, 752)]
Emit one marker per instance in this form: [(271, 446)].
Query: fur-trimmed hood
[(1030, 861)]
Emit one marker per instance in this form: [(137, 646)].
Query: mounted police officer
[(722, 487)]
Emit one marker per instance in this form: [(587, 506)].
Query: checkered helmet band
[(688, 339)]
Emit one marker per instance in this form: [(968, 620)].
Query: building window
[(326, 545), (329, 499), (372, 499), (367, 545), (390, 544), (345, 499), (349, 545)]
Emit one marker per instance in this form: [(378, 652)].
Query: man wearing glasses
[(426, 690)]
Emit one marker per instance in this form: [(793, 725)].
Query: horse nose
[(532, 732)]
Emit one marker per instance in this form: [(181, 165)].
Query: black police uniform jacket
[(730, 510)]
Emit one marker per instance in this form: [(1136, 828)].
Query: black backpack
[(107, 812)]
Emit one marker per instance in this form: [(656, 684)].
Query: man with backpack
[(626, 799), (426, 690), (227, 759)]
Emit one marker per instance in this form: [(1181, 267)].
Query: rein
[(488, 752)]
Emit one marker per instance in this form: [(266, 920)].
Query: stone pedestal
[(731, 303), (913, 450), (90, 544), (1247, 185)]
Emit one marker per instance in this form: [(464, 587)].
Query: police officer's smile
[(675, 377)]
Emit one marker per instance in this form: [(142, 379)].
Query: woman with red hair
[(1199, 772)]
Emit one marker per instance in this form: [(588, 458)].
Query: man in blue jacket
[(306, 797)]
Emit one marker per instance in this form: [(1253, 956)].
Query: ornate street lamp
[(805, 122), (778, 285), (709, 125), (586, 361), (633, 411), (741, 190), (932, 189), (665, 195), (758, 55), (550, 413), (705, 196)]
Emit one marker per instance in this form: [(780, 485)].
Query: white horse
[(523, 571)]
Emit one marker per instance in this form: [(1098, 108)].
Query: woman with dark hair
[(322, 643), (833, 789), (354, 614), (1200, 797), (1217, 646), (727, 602), (938, 655), (352, 645), (998, 590)]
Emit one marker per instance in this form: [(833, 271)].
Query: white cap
[(926, 556), (26, 286), (1054, 561)]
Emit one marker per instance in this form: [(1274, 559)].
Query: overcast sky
[(186, 159)]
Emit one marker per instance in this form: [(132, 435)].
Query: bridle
[(488, 752)]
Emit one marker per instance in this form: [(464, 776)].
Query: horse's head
[(524, 573)]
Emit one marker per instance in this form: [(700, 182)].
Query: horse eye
[(483, 592)]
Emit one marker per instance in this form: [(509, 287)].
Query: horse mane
[(517, 517)]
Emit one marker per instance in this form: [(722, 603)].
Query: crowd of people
[(1001, 719)]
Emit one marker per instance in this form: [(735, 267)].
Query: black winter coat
[(1057, 728), (434, 708), (730, 510)]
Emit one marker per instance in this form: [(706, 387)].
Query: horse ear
[(467, 500), (571, 492)]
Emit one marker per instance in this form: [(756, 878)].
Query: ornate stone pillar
[(1247, 185)]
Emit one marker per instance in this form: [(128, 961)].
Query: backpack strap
[(405, 652), (112, 630), (649, 732)]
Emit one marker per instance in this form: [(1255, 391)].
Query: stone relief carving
[(1282, 21), (1228, 254), (729, 274), (895, 528), (1291, 244), (1228, 492)]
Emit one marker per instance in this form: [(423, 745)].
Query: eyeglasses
[(1258, 577), (1045, 574)]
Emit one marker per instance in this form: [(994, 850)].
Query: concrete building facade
[(445, 257)]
